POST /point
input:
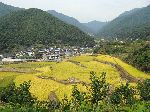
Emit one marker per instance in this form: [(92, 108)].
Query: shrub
[(123, 95), (78, 96), (141, 58), (144, 90), (65, 104), (99, 88), (17, 95)]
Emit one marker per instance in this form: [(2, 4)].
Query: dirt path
[(77, 63), (123, 73), (69, 81)]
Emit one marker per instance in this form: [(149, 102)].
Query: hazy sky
[(83, 10)]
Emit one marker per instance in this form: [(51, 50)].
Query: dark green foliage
[(144, 90), (21, 108), (71, 21), (7, 9), (123, 95), (78, 97), (33, 26), (140, 58), (135, 53), (110, 48), (135, 25), (65, 104), (99, 88), (137, 107), (17, 95)]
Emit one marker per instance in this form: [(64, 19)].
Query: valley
[(50, 61)]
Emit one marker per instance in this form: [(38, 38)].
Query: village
[(47, 54)]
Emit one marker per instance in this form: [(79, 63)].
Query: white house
[(1, 57), (11, 60), (53, 57)]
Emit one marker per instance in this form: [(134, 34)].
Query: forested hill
[(133, 24), (95, 26), (34, 26), (71, 21), (6, 9)]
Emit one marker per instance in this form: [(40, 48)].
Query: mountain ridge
[(6, 9), (70, 20), (95, 25), (34, 26), (130, 25), (85, 27)]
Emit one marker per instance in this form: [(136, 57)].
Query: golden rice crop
[(112, 75), (29, 65), (82, 58), (64, 70), (41, 88), (130, 69)]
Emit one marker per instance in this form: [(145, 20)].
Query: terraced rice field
[(47, 77)]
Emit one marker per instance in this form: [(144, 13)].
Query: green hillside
[(71, 21), (6, 9), (140, 58), (95, 26), (133, 24), (34, 26)]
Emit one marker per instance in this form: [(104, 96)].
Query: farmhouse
[(10, 60), (51, 57), (1, 57)]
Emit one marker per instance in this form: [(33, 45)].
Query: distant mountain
[(95, 26), (71, 20), (34, 26), (134, 24), (6, 9), (129, 12)]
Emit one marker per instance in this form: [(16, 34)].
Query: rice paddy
[(78, 68)]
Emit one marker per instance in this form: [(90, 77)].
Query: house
[(54, 57), (30, 53), (1, 57), (68, 53), (51, 57), (11, 60), (57, 51)]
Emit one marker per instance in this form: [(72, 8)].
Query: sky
[(83, 10)]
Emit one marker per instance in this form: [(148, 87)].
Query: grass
[(7, 78)]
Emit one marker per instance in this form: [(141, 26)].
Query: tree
[(144, 90), (99, 88), (17, 95)]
